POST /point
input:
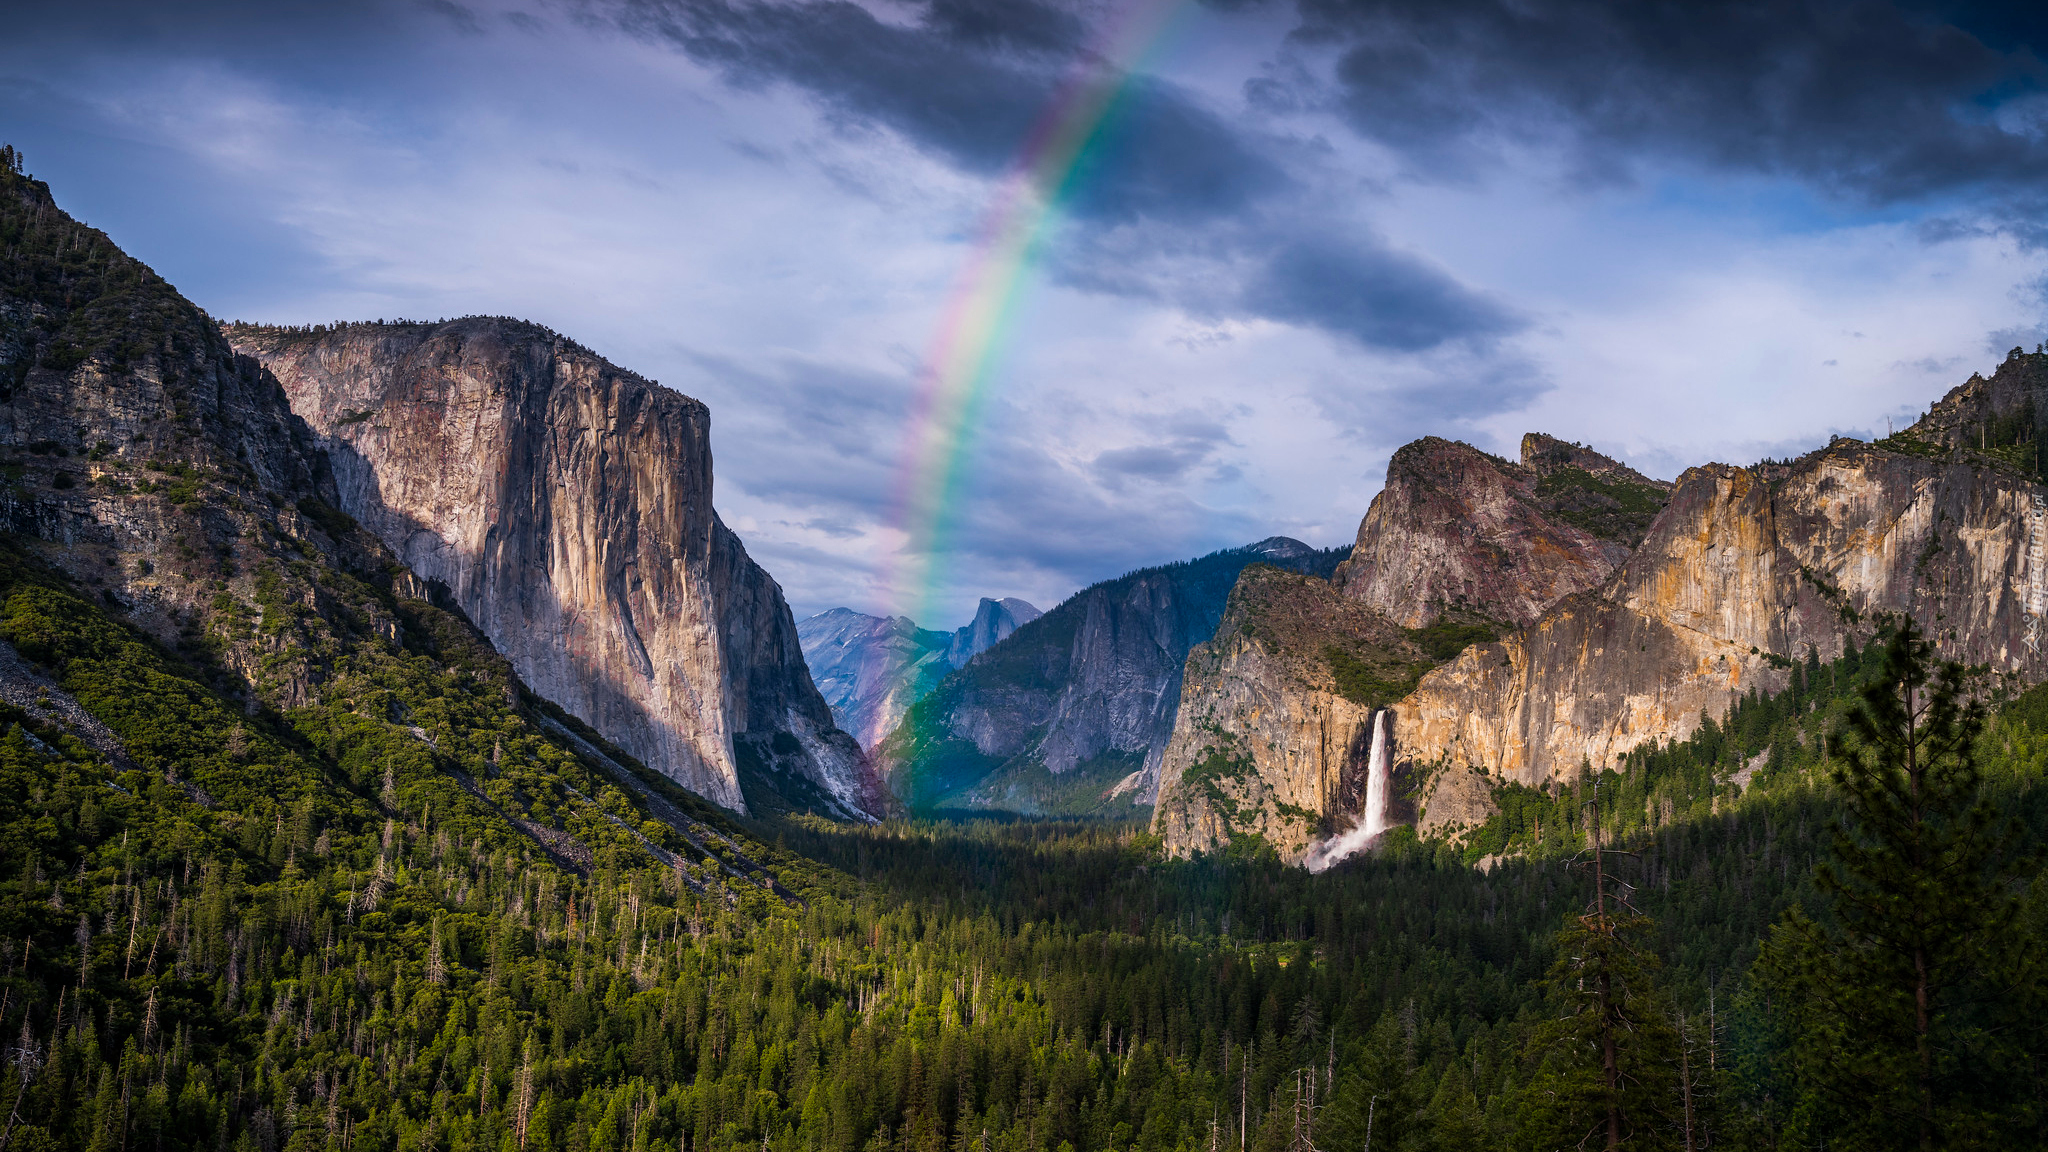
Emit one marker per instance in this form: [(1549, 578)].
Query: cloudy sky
[(1307, 233)]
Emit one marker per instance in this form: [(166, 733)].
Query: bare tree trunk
[(1685, 1082), (1610, 1061)]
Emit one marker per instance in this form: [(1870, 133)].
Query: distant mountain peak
[(871, 669), (1072, 711), (993, 621), (1281, 547)]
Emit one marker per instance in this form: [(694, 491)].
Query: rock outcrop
[(1078, 704), (566, 505), (1741, 573), (1457, 531), (1992, 417), (871, 669), (1745, 570), (161, 472), (1273, 731)]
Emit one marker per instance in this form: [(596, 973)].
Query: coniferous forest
[(322, 930)]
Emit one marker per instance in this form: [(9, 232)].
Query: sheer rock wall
[(566, 505)]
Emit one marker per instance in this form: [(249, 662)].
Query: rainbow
[(982, 311)]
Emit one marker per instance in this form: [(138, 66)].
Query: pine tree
[(1607, 1061), (1894, 985)]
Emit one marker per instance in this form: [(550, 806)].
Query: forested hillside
[(327, 932)]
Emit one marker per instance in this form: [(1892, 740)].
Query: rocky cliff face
[(159, 470), (152, 477), (1740, 573), (1073, 711), (566, 506), (1746, 569), (1458, 531), (871, 669), (1273, 731)]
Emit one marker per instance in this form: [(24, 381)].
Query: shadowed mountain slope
[(1072, 712)]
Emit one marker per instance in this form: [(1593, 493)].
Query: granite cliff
[(1072, 712), (1745, 570), (1728, 577), (1458, 547), (871, 669), (1458, 531), (1274, 727), (566, 506)]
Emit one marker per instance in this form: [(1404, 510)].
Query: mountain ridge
[(1092, 684)]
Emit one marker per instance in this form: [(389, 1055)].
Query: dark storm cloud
[(1877, 101), (221, 25), (1381, 298), (1011, 24), (968, 82), (1188, 443)]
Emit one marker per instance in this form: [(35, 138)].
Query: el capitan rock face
[(566, 505)]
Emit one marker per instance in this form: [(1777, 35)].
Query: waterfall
[(1378, 779), (1379, 789)]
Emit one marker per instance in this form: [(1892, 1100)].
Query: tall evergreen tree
[(1900, 987), (1607, 1061)]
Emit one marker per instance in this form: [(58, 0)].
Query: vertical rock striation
[(1456, 546), (1746, 569), (566, 505), (1731, 575)]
